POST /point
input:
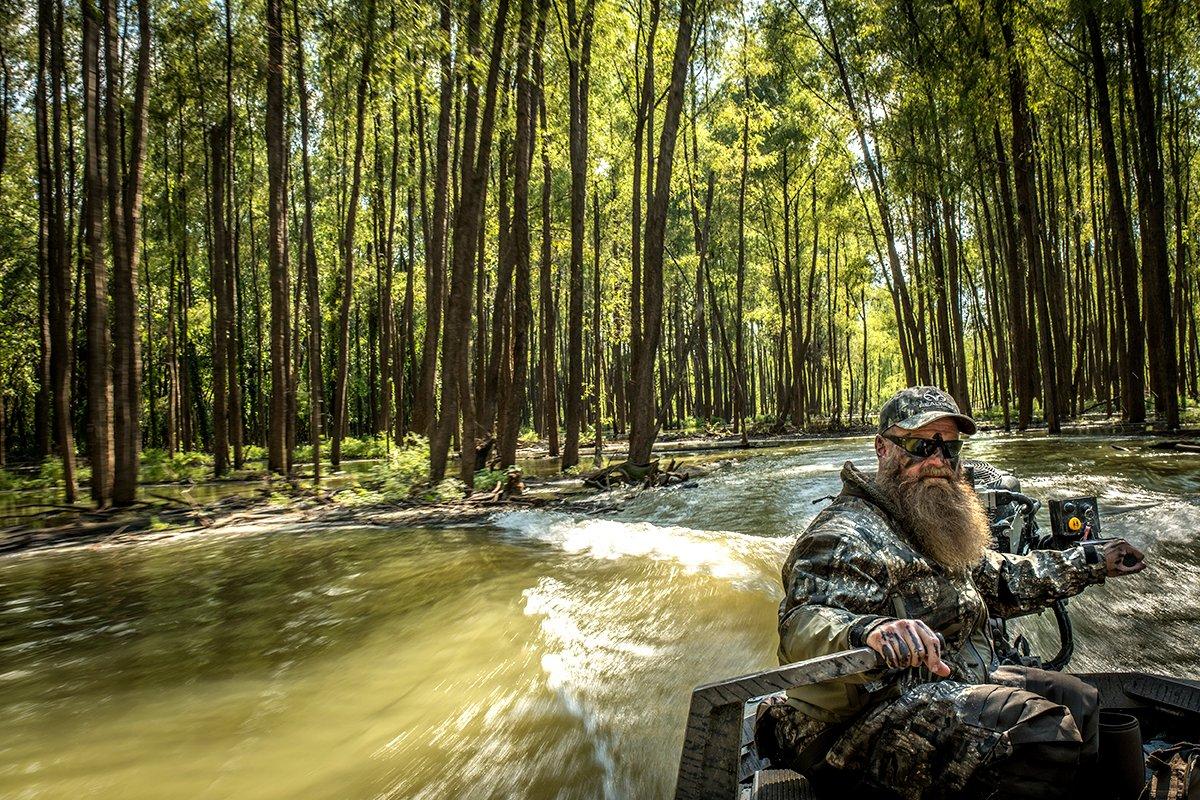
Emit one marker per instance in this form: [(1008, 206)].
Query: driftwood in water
[(644, 475)]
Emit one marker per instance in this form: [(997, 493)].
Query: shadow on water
[(539, 656)]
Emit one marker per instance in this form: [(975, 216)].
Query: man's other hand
[(908, 643), (1122, 558)]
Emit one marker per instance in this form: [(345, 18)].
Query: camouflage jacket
[(855, 566)]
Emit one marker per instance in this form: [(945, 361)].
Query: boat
[(719, 760)]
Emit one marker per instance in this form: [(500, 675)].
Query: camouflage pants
[(1022, 735)]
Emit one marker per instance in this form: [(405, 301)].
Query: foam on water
[(732, 556)]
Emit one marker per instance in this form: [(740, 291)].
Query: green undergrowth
[(365, 447), (159, 467), (401, 471), (401, 475), (47, 476)]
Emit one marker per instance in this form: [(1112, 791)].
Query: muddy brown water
[(539, 655)]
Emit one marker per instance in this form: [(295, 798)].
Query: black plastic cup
[(1122, 761)]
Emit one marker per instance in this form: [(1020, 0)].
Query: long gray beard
[(945, 517)]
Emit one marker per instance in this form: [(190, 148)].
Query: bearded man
[(901, 563)]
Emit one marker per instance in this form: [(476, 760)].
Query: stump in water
[(510, 486), (644, 475), (483, 452)]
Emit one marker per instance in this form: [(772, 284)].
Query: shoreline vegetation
[(269, 232), (388, 487)]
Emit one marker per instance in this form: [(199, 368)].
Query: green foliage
[(254, 452), (51, 473), (448, 490), (189, 467), (486, 479), (404, 469), (366, 447)]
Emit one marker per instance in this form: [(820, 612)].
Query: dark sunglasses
[(923, 448)]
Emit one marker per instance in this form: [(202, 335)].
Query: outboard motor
[(1013, 519)]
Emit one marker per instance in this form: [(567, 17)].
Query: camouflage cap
[(920, 405)]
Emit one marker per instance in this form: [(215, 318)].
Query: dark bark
[(424, 401), (1024, 177), (48, 112), (476, 156), (579, 56), (527, 95), (277, 444), (347, 246), (124, 190), (99, 374), (223, 374), (1131, 357), (874, 171), (312, 291), (1156, 280), (644, 417), (547, 307)]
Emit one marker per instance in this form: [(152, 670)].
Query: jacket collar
[(857, 484)]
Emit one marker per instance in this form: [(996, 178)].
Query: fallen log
[(628, 474)]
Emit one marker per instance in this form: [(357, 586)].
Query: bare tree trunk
[(424, 401), (100, 441), (878, 188), (124, 209), (310, 260), (597, 340), (1156, 274), (1023, 178), (548, 322), (58, 268), (1132, 356), (222, 324), (456, 384), (738, 336), (643, 429), (527, 95), (278, 457), (579, 56), (347, 245)]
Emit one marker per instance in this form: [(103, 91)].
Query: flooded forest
[(274, 236)]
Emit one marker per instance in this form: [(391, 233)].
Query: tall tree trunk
[(547, 322), (124, 212), (277, 449), (223, 374), (424, 401), (312, 289), (738, 336), (347, 244), (58, 268), (875, 173), (1023, 355), (476, 158), (643, 429), (99, 374), (1023, 174), (527, 96), (1156, 274), (597, 339), (579, 56), (1131, 357)]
